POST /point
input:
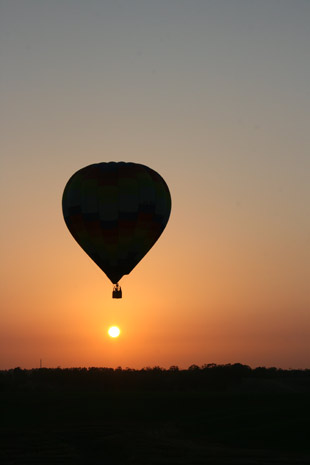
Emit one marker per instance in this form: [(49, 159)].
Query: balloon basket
[(117, 292)]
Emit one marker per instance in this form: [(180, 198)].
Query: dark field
[(212, 415)]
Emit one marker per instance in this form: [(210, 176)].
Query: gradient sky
[(214, 95)]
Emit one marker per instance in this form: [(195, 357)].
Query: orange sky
[(213, 97)]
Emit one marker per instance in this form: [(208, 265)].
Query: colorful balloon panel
[(116, 212)]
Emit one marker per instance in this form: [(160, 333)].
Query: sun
[(114, 331)]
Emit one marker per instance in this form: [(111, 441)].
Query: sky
[(213, 95)]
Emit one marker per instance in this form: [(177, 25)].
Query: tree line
[(210, 377)]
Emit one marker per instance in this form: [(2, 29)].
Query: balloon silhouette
[(116, 212)]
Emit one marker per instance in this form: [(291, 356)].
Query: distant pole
[(40, 362)]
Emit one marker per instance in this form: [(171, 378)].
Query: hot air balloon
[(116, 212)]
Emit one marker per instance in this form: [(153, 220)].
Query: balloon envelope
[(116, 212)]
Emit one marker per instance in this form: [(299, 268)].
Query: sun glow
[(114, 331)]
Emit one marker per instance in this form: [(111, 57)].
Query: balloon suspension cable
[(117, 291)]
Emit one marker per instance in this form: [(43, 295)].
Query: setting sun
[(114, 331)]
